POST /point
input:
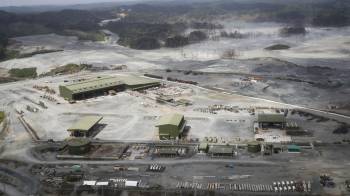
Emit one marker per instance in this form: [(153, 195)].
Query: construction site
[(175, 98), (131, 133)]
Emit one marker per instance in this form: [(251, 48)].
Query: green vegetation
[(234, 35), (2, 116), (278, 47), (148, 25), (335, 18), (144, 35), (206, 25), (89, 35), (26, 55), (176, 41), (197, 36), (298, 30), (12, 54), (145, 43), (7, 79), (3, 45), (67, 69), (80, 23), (23, 73)]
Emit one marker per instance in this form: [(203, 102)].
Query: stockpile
[(326, 181), (45, 88), (153, 76), (48, 97), (292, 186), (213, 109), (156, 168), (251, 187), (182, 81)]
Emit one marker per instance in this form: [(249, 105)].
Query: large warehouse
[(171, 126), (100, 86), (90, 88), (138, 83)]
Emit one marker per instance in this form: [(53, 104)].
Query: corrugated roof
[(136, 80), (221, 150), (85, 123), (93, 84), (78, 142), (170, 119), (274, 118), (203, 145), (293, 147)]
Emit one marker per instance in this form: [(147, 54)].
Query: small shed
[(131, 183), (293, 148), (203, 147), (220, 151), (89, 182), (254, 147), (277, 148)]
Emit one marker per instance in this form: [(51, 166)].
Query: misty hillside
[(152, 23)]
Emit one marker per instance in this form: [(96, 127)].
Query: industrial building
[(221, 151), (78, 146), (90, 88), (137, 83), (254, 147), (100, 86), (85, 126), (171, 126), (171, 151), (271, 121)]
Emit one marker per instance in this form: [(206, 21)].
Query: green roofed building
[(90, 88), (100, 86), (271, 121), (221, 151), (85, 126), (203, 147), (293, 148), (171, 126), (78, 146), (138, 83)]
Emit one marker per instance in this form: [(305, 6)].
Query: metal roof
[(103, 183), (131, 183), (273, 118), (135, 80), (203, 146), (85, 123), (89, 182), (93, 84), (221, 149), (75, 142), (293, 147), (170, 119)]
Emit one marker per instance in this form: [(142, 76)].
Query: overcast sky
[(51, 2)]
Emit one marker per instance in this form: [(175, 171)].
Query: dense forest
[(147, 26)]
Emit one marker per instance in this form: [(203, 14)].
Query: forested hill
[(147, 25)]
